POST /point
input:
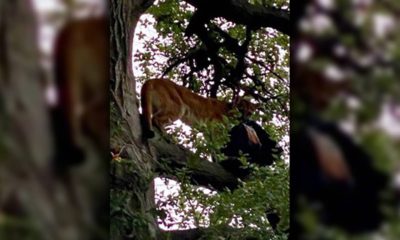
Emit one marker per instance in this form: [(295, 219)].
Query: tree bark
[(242, 12), (136, 177)]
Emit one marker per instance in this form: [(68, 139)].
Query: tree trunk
[(133, 178)]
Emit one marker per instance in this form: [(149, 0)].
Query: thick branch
[(189, 234), (198, 233), (202, 172), (242, 12)]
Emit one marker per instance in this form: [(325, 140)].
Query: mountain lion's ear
[(246, 107)]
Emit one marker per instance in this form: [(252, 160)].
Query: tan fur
[(163, 102), (81, 62)]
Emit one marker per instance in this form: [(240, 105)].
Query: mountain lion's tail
[(147, 110)]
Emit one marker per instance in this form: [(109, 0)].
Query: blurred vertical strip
[(52, 186), (345, 125)]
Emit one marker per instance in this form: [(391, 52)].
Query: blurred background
[(345, 122), (53, 120)]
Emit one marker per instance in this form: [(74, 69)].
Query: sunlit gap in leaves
[(167, 199), (184, 212), (48, 15)]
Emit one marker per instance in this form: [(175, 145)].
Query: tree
[(202, 48)]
